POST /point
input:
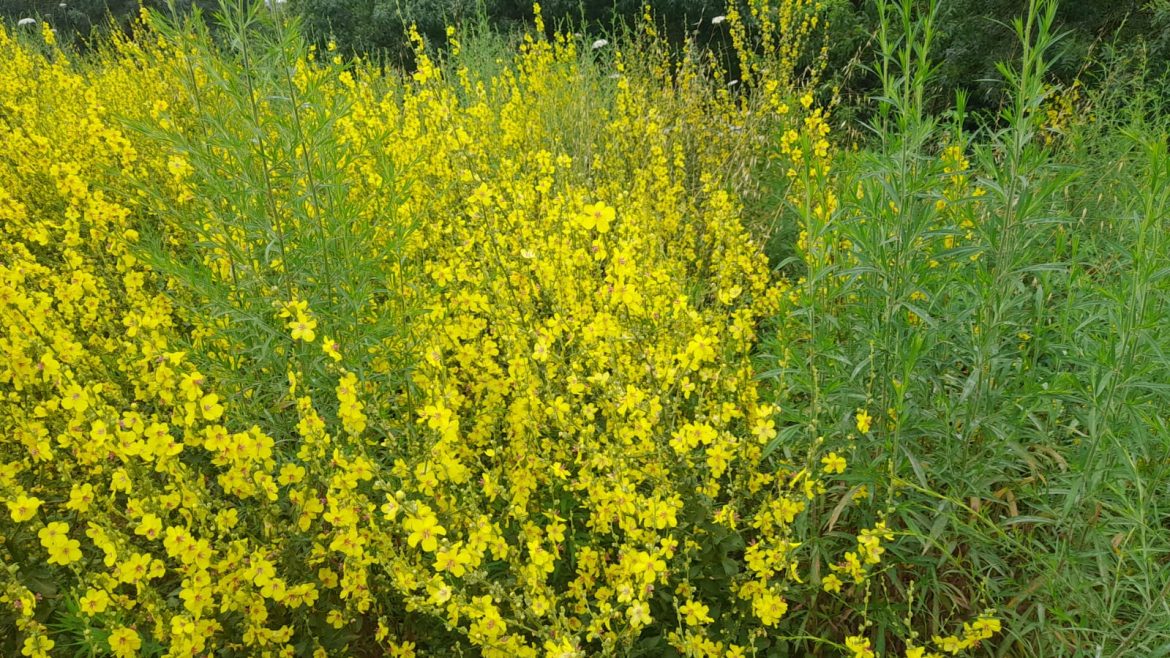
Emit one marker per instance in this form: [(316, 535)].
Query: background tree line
[(975, 34)]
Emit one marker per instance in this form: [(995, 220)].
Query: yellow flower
[(639, 614), (831, 583), (833, 463), (74, 398), (424, 530), (331, 348), (950, 644), (291, 474), (391, 507), (438, 590), (55, 538), (37, 646), (95, 601), (986, 626), (402, 650), (860, 646), (864, 420), (560, 649), (23, 508), (125, 642), (225, 520), (303, 328), (769, 608), (453, 559), (211, 407), (150, 527), (99, 432), (597, 216), (695, 613)]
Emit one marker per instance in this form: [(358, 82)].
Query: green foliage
[(77, 21), (998, 294), (379, 26), (978, 36), (992, 286), (279, 213), (972, 35)]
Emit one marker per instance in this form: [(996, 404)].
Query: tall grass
[(993, 307), (287, 198)]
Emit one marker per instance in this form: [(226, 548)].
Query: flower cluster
[(559, 447)]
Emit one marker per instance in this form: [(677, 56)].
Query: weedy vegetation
[(563, 346)]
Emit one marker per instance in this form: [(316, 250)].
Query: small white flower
[(62, 5), (25, 22), (718, 19), (600, 43)]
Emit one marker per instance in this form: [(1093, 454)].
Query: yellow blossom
[(863, 421), (695, 613), (833, 463), (303, 328), (94, 601), (23, 508), (124, 642)]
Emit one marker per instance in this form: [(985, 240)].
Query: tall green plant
[(275, 215)]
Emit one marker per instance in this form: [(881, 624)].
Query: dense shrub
[(306, 357), (547, 346)]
